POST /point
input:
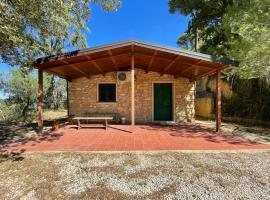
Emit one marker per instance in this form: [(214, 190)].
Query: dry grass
[(136, 176), (51, 114)]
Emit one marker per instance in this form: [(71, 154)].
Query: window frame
[(104, 102)]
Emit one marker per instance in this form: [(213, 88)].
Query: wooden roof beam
[(181, 74), (191, 79), (97, 66), (68, 78), (169, 66), (176, 61), (93, 62), (188, 68), (82, 62), (75, 68), (199, 76), (151, 61), (80, 71), (123, 44), (127, 54), (208, 73), (113, 60)]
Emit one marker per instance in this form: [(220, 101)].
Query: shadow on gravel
[(11, 156)]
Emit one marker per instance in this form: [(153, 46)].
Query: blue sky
[(147, 20)]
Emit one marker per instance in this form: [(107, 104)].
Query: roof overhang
[(117, 56)]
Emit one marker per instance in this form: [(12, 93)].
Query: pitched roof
[(117, 56)]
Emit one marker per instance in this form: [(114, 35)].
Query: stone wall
[(83, 96)]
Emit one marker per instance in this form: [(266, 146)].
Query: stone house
[(140, 81), (84, 97)]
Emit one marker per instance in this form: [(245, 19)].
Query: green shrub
[(7, 113), (12, 113)]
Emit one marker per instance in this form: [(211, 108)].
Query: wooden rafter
[(93, 62), (151, 61), (59, 75), (208, 73), (183, 71), (97, 67), (169, 66), (74, 68), (176, 51), (63, 61), (87, 60), (185, 76), (176, 62), (113, 60), (80, 71)]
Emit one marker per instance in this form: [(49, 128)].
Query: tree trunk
[(25, 108)]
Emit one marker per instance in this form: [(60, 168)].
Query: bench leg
[(55, 125), (79, 124), (106, 124)]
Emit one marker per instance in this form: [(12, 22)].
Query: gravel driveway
[(167, 176)]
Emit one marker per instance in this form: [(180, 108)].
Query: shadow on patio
[(142, 137), (196, 131)]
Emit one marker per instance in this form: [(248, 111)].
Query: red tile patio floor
[(143, 137)]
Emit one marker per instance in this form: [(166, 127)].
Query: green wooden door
[(163, 108)]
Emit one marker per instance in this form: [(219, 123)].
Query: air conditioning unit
[(123, 76)]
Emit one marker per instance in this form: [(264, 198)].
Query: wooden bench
[(82, 125)]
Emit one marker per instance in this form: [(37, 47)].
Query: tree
[(20, 88), (238, 29), (31, 29), (55, 94), (249, 20), (206, 17)]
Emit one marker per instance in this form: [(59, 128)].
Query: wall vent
[(123, 76)]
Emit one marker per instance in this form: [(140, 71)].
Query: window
[(107, 92)]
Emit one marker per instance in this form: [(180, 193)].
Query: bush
[(7, 113), (12, 113)]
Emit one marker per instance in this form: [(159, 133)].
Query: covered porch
[(129, 56)]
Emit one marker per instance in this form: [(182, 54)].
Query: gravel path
[(252, 133), (137, 176)]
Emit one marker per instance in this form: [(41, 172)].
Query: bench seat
[(82, 125)]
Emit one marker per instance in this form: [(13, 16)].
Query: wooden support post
[(132, 92), (67, 99), (40, 101), (218, 102)]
